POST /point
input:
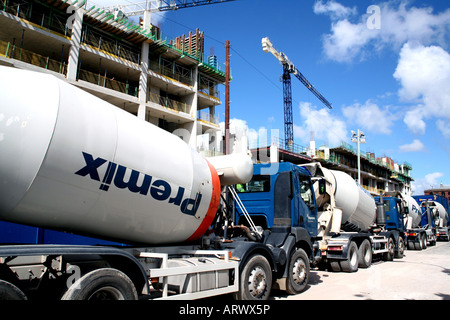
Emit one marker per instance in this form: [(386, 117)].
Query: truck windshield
[(257, 184), (306, 190)]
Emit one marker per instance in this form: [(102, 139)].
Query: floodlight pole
[(359, 138)]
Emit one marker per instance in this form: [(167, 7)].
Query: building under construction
[(131, 66), (378, 174)]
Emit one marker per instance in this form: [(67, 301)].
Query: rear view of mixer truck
[(404, 213), (435, 214), (339, 213), (72, 162)]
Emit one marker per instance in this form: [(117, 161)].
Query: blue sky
[(386, 71)]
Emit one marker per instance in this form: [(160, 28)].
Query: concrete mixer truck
[(339, 213), (72, 162), (403, 213), (434, 215)]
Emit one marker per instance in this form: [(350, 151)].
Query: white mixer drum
[(358, 206), (441, 217), (415, 213), (73, 162)]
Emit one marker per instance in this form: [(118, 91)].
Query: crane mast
[(288, 69)]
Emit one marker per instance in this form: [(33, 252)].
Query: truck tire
[(8, 291), (400, 248), (418, 244), (298, 272), (365, 254), (350, 264), (424, 241), (389, 256), (255, 280), (102, 284)]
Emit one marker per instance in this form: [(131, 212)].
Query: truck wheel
[(424, 241), (8, 291), (411, 245), (102, 284), (401, 248), (255, 280), (298, 272), (351, 264), (389, 256), (365, 254), (418, 243)]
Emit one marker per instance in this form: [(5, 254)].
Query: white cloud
[(424, 75), (416, 145), (444, 127), (350, 40), (413, 119), (334, 9), (326, 127), (369, 116), (429, 181), (346, 40)]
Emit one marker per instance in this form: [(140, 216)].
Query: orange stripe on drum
[(213, 206)]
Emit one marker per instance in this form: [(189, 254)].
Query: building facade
[(130, 66), (443, 191), (378, 174)]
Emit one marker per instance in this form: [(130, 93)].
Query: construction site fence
[(9, 50)]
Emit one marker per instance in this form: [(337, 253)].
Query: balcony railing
[(172, 71), (110, 46), (169, 103), (38, 15), (206, 116), (107, 82), (8, 50)]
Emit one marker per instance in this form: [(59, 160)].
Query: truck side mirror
[(322, 186)]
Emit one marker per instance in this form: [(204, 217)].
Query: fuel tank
[(70, 161)]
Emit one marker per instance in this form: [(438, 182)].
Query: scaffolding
[(193, 44)]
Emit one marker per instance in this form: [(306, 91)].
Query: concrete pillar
[(76, 22), (193, 112), (143, 77)]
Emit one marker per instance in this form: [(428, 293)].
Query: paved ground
[(419, 275)]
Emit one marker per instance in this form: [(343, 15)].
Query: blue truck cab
[(281, 203), (394, 213), (280, 199), (416, 238)]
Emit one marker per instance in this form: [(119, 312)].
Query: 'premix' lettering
[(158, 189)]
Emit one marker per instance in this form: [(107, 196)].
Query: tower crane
[(288, 68)]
